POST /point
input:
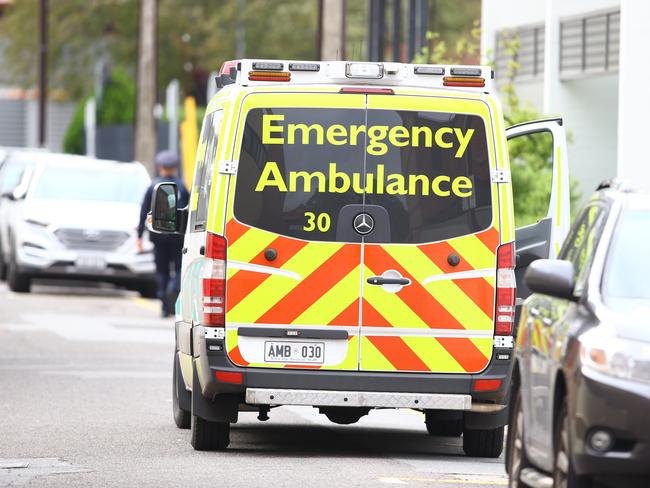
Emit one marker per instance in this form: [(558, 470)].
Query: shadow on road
[(323, 441), (79, 288)]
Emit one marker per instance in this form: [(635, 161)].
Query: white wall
[(589, 107), (634, 105)]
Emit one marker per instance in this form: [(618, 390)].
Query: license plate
[(91, 263), (294, 352)]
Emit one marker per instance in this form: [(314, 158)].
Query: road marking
[(451, 481), (146, 303), (392, 481), (14, 472), (108, 374)]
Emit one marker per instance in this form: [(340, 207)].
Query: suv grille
[(92, 240)]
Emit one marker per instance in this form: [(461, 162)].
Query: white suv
[(78, 220)]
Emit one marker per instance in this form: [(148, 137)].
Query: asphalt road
[(85, 385)]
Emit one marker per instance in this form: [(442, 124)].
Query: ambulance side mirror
[(164, 208)]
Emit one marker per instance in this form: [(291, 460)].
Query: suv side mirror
[(554, 277), (164, 208)]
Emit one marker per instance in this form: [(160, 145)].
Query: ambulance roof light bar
[(252, 72)]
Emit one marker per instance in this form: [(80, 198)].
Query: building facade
[(583, 60)]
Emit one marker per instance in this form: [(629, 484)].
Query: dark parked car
[(581, 384)]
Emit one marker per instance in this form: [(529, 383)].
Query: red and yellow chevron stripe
[(319, 283)]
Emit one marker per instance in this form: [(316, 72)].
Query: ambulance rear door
[(430, 260), (294, 260), (538, 157)]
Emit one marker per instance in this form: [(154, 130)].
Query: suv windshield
[(628, 268), (91, 184), (299, 168)]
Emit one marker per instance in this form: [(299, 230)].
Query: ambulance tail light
[(228, 67), (472, 81), (214, 282), (269, 76), (506, 290)]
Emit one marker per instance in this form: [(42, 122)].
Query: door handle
[(380, 280)]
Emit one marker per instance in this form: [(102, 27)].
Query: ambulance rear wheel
[(209, 436), (484, 443)]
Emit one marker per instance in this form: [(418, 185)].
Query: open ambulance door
[(541, 144)]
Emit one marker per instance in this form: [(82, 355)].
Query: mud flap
[(222, 408), (184, 396)]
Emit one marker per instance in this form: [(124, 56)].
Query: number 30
[(322, 222)]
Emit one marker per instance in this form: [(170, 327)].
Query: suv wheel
[(3, 266), (484, 443), (563, 474), (209, 436), (515, 452), (18, 282), (182, 418)]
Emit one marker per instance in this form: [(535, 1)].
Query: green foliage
[(73, 141), (194, 38), (118, 100), (117, 107)]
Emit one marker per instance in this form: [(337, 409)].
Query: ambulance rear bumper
[(376, 399)]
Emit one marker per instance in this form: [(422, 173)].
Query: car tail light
[(214, 282), (506, 290)]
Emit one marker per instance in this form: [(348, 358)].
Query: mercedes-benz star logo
[(363, 223)]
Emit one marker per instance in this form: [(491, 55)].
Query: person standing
[(167, 247)]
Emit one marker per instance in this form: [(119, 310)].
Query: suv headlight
[(621, 358)]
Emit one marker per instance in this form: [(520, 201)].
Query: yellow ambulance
[(350, 245)]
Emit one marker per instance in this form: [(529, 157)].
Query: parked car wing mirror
[(164, 208), (554, 277)]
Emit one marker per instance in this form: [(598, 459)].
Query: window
[(580, 247), (589, 44), (295, 209), (428, 170), (204, 172), (120, 183), (531, 166), (523, 46), (628, 268)]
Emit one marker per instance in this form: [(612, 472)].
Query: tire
[(450, 427), (484, 443), (564, 475), (18, 282), (182, 418), (209, 436), (3, 266), (516, 460)]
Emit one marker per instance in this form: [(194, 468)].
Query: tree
[(194, 38)]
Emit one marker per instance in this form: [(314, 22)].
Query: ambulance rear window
[(299, 169)]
